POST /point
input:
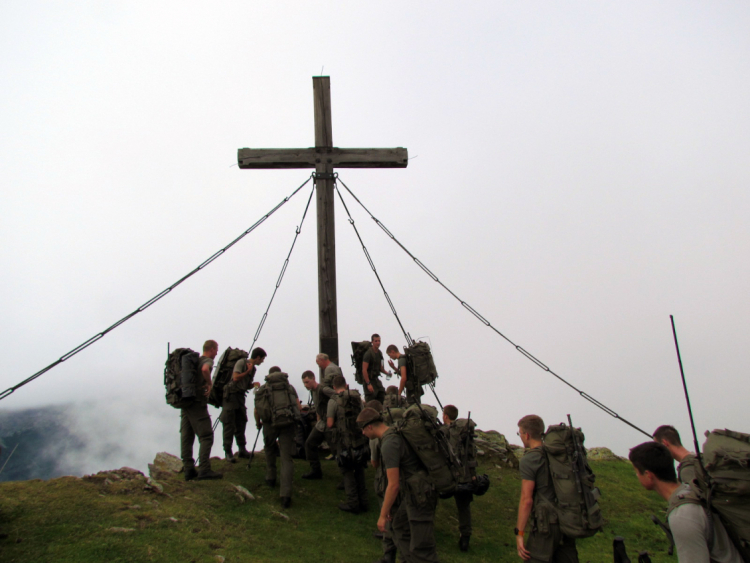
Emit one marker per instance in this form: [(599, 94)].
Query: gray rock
[(167, 462)]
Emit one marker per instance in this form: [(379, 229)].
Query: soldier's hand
[(522, 551), (259, 425), (390, 363), (369, 386), (381, 524)]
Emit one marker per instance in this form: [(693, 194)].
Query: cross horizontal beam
[(312, 157)]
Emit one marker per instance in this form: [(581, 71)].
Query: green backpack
[(420, 366), (421, 430), (275, 401), (348, 433), (393, 401), (223, 374), (358, 353), (576, 503), (461, 436), (726, 458), (181, 377)]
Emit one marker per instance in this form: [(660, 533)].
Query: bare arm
[(206, 373), (391, 493), (524, 511), (329, 422), (402, 383)]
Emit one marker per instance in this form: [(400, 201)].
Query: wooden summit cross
[(324, 157)]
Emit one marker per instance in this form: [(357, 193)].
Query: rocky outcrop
[(494, 446), (164, 466)]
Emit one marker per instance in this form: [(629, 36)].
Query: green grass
[(68, 520)]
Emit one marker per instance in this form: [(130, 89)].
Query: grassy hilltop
[(71, 520)]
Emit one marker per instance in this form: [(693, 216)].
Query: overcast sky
[(578, 172)]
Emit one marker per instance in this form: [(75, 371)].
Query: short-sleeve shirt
[(401, 363), (690, 529), (533, 467), (331, 409), (374, 361), (200, 386), (686, 469), (395, 453)]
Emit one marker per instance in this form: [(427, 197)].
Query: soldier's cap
[(368, 416)]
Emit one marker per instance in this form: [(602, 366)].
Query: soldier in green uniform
[(381, 483), (453, 429), (321, 393), (276, 408), (668, 437), (545, 542), (372, 367), (342, 411), (195, 421), (410, 500), (233, 410), (413, 389)]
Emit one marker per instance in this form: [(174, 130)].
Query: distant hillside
[(117, 516), (36, 441)]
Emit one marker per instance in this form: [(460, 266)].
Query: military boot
[(346, 507), (203, 475), (463, 543), (231, 458), (190, 473), (243, 453)]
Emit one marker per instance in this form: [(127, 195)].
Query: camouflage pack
[(275, 401), (576, 497), (223, 374), (420, 367), (181, 377), (358, 354)]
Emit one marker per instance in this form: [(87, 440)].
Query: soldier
[(697, 539), (413, 389), (321, 393), (456, 430), (195, 421), (380, 483), (545, 542), (372, 367), (412, 513), (393, 400), (276, 409), (668, 437), (350, 444), (233, 410)]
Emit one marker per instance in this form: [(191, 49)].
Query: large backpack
[(461, 436), (420, 366), (181, 377), (223, 374), (576, 503), (393, 401), (275, 401), (358, 354), (421, 430), (353, 446), (726, 459)]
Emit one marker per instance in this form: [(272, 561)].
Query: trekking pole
[(687, 397), (252, 453), (432, 387)]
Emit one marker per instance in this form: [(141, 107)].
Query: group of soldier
[(407, 499), (408, 503)]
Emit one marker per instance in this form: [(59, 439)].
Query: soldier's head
[(375, 339), (667, 436), (210, 348), (450, 414), (375, 405), (392, 390), (274, 369), (322, 360), (530, 428), (308, 380), (258, 356), (652, 463), (371, 423), (392, 351), (338, 383)]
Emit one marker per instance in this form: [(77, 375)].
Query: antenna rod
[(687, 397)]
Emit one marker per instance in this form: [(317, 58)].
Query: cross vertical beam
[(324, 157), (328, 312)]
